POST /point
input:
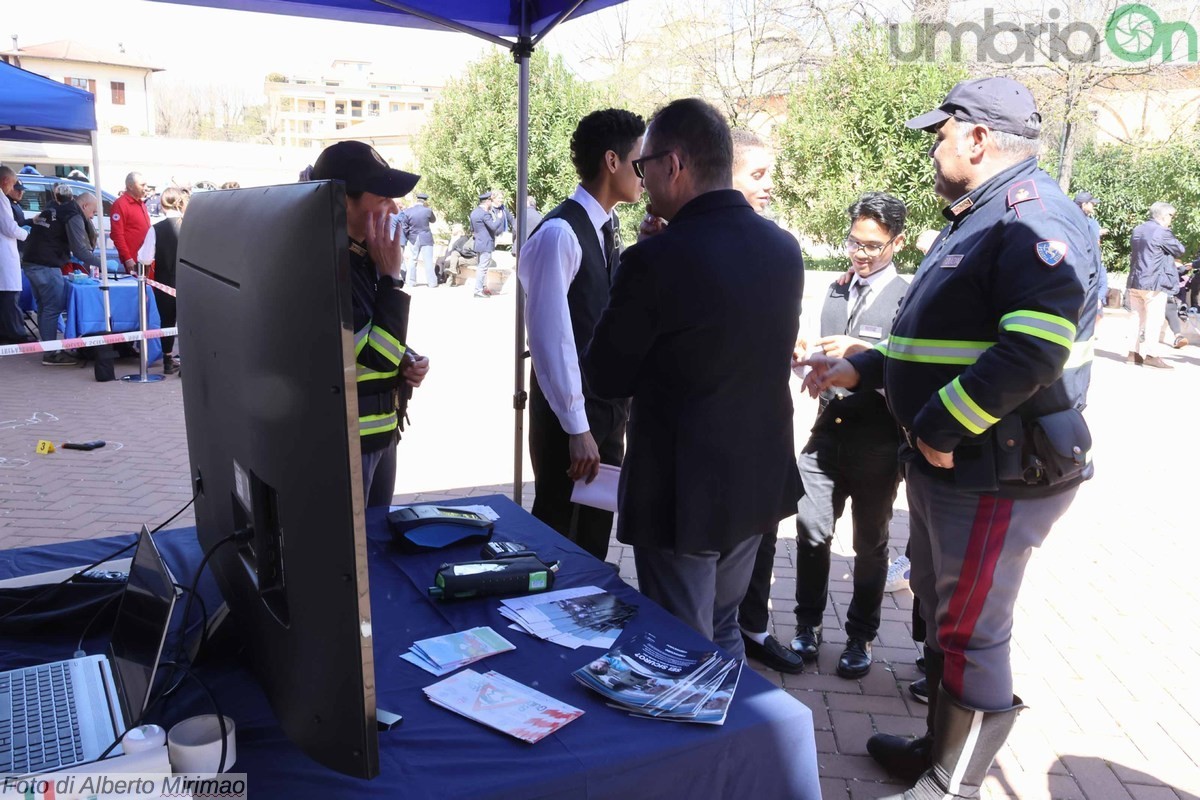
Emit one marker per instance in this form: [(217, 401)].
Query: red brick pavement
[(1105, 642)]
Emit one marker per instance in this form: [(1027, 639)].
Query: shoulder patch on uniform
[(1022, 191), (116, 217), (1051, 252)]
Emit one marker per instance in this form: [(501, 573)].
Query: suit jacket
[(698, 331), (416, 231), (485, 229)]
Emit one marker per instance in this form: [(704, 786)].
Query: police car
[(39, 194)]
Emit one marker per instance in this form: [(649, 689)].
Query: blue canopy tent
[(34, 108), (519, 26)]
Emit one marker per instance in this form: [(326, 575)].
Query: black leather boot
[(965, 743), (903, 756)]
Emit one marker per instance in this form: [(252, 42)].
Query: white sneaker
[(898, 574)]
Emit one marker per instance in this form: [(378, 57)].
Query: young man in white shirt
[(566, 269)]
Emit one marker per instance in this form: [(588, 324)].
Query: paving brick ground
[(1105, 642)]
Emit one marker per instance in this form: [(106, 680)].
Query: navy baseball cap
[(1085, 197), (362, 170), (485, 195), (1001, 104), (422, 196)]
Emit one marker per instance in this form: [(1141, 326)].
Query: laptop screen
[(141, 626)]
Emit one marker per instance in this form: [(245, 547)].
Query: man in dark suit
[(853, 451), (703, 350)]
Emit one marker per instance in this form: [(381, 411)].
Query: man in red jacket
[(130, 221)]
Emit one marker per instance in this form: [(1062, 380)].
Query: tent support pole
[(100, 230), (522, 50)]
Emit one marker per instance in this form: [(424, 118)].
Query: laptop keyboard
[(39, 729)]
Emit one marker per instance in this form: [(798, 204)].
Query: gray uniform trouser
[(702, 589), (968, 554)]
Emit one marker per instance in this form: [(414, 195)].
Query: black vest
[(842, 409), (588, 294), (166, 249), (50, 246)]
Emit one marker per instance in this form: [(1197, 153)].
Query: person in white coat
[(10, 267)]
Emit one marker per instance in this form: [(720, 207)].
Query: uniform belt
[(377, 403), (908, 437)]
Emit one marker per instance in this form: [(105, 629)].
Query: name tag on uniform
[(950, 262), (870, 332)]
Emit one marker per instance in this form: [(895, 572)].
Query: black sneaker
[(919, 689), (773, 655)]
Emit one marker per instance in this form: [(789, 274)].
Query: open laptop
[(69, 712)]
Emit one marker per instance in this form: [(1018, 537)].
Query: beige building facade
[(121, 82), (309, 110)]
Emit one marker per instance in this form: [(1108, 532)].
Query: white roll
[(194, 745), (143, 738)]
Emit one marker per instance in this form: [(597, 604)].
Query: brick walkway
[(1106, 629)]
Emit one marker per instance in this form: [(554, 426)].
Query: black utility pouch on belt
[(1058, 447)]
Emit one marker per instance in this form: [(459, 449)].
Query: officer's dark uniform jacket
[(995, 336), (485, 228), (1152, 253), (417, 231), (380, 328)]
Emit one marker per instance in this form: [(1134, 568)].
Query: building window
[(87, 84), (395, 107), (373, 108), (285, 104), (118, 92), (339, 106), (416, 107), (312, 106), (356, 108), (342, 125), (120, 130)]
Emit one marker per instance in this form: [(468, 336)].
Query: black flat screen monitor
[(271, 407)]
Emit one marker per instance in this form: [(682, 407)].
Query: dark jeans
[(549, 452), (833, 469), (10, 316), (379, 476), (50, 289)]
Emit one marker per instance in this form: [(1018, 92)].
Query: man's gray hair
[(1159, 212), (6, 172), (131, 179), (1009, 145)]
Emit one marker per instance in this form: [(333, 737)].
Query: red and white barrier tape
[(85, 341), (162, 287)]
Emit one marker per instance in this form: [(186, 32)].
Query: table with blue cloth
[(85, 309), (765, 749)]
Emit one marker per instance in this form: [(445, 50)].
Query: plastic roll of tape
[(143, 738)]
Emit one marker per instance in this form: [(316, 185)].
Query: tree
[(469, 144), (845, 135), (1128, 179)]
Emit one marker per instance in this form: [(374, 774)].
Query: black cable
[(79, 645), (55, 587), (211, 699), (204, 622)]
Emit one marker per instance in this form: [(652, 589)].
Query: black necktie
[(612, 255), (860, 302)]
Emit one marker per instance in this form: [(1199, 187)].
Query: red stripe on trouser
[(975, 577)]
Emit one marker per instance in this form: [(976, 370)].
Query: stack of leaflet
[(649, 678), (503, 704), (443, 654), (585, 615)]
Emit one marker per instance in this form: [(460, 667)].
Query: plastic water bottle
[(95, 272)]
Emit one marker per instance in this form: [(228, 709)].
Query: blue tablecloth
[(765, 749), (85, 311)]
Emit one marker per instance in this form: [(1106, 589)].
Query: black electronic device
[(523, 575), (497, 549), (84, 445), (271, 408), (427, 527)]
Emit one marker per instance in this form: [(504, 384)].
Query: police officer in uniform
[(387, 370), (420, 242), (986, 370), (485, 227)]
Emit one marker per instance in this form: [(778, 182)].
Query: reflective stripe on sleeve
[(376, 423), (360, 339), (964, 409), (933, 351), (386, 345), (362, 374), (1081, 353), (1053, 329)]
